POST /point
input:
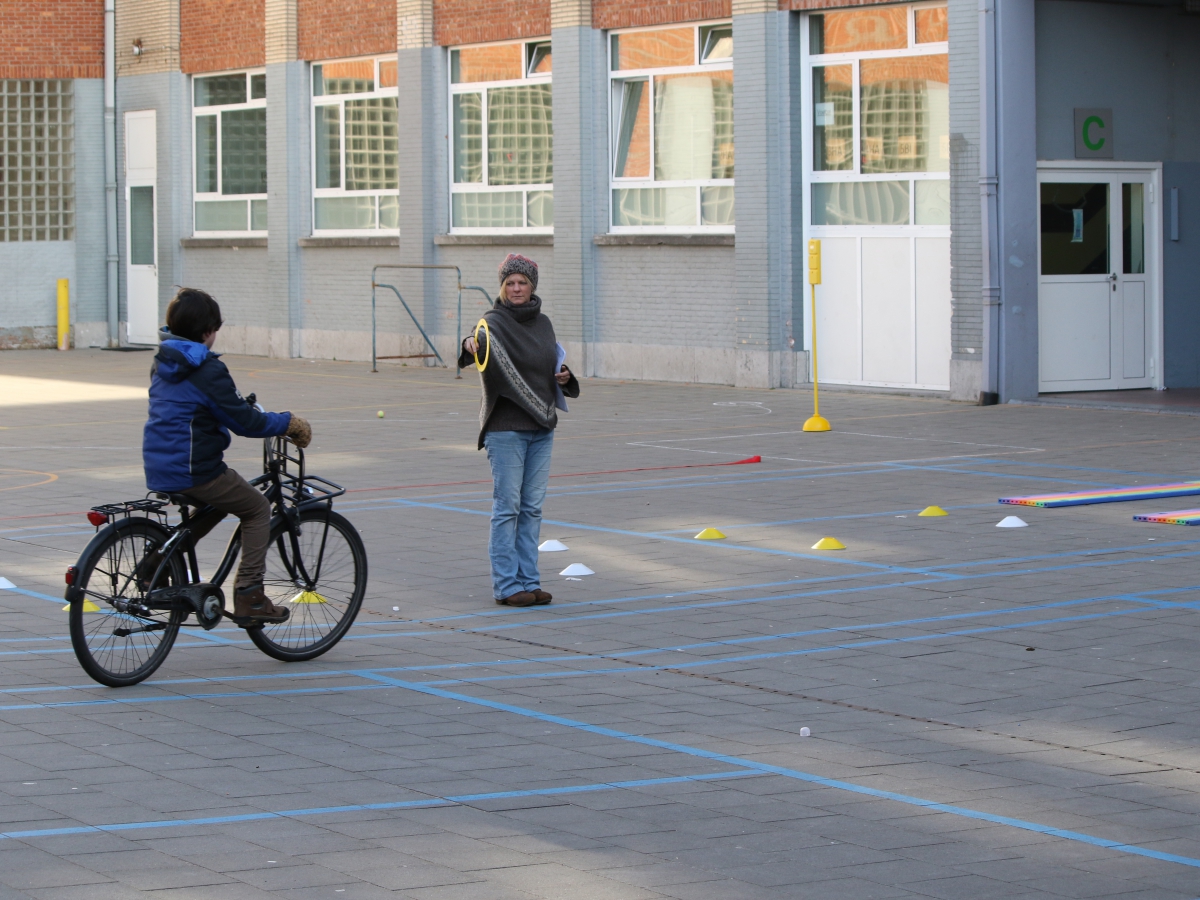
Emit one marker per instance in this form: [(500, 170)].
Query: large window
[(355, 146), (230, 135), (880, 127), (502, 160), (37, 161), (672, 129)]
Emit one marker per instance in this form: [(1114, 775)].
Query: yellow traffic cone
[(308, 597), (933, 511), (88, 606), (829, 543), (709, 534)]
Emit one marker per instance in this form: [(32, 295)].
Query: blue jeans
[(520, 463)]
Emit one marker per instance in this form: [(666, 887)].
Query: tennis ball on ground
[(381, 414)]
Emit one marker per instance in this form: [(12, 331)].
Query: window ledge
[(382, 240), (493, 240), (670, 240), (216, 243)]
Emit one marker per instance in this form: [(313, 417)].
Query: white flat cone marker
[(576, 569), (1012, 522), (553, 546), (5, 584)]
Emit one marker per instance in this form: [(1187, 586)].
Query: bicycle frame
[(289, 490)]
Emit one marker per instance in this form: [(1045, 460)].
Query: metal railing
[(377, 284)]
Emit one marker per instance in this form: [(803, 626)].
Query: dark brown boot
[(540, 597), (146, 568), (521, 598), (252, 603)]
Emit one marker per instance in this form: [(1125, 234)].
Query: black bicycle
[(138, 581)]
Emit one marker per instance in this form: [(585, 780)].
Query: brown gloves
[(299, 431)]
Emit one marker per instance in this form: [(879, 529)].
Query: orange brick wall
[(330, 30), (215, 35), (51, 38), (828, 4), (478, 21), (632, 13)]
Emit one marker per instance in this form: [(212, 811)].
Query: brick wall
[(828, 4), (632, 13), (216, 35), (346, 28), (156, 24), (52, 39), (478, 21)]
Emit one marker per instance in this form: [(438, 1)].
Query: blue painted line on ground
[(575, 673), (379, 807), (795, 774), (27, 593), (646, 536)]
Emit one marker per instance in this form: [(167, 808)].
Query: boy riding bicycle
[(194, 404)]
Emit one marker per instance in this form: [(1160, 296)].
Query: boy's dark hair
[(192, 314)]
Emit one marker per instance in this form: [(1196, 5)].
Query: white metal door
[(1098, 290), (141, 251)]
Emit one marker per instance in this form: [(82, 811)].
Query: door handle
[(1113, 279)]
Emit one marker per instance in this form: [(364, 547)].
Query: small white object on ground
[(553, 546), (395, 609), (804, 732), (5, 584), (576, 569), (574, 579), (1012, 522)]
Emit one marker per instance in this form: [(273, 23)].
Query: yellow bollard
[(64, 314), (815, 422)]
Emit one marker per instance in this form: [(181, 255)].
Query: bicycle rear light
[(72, 571), (97, 518)]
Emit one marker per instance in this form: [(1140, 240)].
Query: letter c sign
[(1093, 134)]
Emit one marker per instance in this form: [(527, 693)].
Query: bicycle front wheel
[(320, 575), (118, 640)]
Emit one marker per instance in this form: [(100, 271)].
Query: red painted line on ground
[(400, 487)]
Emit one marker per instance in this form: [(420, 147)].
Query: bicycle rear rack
[(147, 506)]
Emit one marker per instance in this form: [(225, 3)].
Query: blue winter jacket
[(193, 407)]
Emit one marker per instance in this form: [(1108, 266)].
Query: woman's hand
[(470, 346), (563, 375)]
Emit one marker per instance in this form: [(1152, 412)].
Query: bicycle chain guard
[(205, 601)]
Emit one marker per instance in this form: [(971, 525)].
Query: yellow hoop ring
[(487, 353)]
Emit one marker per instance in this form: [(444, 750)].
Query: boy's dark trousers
[(231, 493)]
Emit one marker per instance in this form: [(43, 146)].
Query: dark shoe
[(252, 603), (521, 598), (146, 568), (540, 597)]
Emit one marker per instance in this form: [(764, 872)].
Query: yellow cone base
[(88, 606), (933, 511), (829, 543), (709, 534), (817, 423), (308, 597)]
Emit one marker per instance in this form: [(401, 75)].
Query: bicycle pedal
[(246, 622)]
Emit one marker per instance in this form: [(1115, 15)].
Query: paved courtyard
[(943, 709)]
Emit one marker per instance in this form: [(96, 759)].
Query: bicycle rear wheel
[(320, 575), (117, 639)]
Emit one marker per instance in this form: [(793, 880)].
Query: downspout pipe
[(110, 167), (989, 196)]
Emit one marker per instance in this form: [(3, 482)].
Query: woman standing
[(523, 384)]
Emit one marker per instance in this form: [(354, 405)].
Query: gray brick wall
[(88, 291), (237, 279), (966, 271), (680, 296)]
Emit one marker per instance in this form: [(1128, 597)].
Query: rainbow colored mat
[(1182, 517), (1113, 495)]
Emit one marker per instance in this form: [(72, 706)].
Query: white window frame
[(854, 174), (339, 100), (616, 80), (197, 112), (482, 187)]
